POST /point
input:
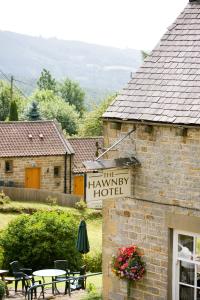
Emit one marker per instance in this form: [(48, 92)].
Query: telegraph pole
[(11, 87)]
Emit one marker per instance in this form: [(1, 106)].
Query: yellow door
[(79, 185), (32, 178)]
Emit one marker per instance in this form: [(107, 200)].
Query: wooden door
[(79, 185), (32, 178)]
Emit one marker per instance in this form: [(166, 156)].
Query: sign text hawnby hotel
[(108, 184)]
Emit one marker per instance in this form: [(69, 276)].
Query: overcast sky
[(120, 23)]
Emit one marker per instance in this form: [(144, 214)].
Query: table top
[(49, 272), (3, 272)]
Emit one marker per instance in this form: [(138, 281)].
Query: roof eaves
[(31, 155), (140, 121), (86, 138)]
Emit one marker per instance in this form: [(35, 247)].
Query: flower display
[(128, 263)]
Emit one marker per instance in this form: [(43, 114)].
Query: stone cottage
[(87, 148), (161, 107), (35, 155)]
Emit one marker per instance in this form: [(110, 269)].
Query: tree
[(33, 113), (91, 124), (72, 93), (53, 107), (46, 81), (42, 96), (64, 113), (13, 111), (5, 100)]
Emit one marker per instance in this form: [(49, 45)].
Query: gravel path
[(75, 295)]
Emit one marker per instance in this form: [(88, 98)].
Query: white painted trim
[(176, 265)]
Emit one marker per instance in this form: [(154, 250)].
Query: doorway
[(32, 178), (79, 185)]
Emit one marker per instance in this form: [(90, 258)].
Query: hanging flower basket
[(128, 264)]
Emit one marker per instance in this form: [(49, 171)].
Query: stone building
[(87, 148), (161, 107), (35, 155)]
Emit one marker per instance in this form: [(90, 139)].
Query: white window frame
[(175, 266)]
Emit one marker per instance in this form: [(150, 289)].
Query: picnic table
[(53, 273)]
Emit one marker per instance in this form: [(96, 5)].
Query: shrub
[(39, 239), (92, 293), (2, 289), (81, 205), (52, 200), (94, 262), (3, 198), (1, 258), (18, 210)]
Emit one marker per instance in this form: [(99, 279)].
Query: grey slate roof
[(166, 88)]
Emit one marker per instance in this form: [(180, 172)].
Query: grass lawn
[(96, 280), (36, 205), (94, 228), (5, 219)]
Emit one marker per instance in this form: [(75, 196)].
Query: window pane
[(56, 171), (8, 166), (185, 246), (198, 276), (198, 294), (197, 250), (187, 273), (186, 293)]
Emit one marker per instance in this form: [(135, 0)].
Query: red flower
[(128, 264), (124, 266)]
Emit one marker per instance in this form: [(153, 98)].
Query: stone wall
[(45, 163), (166, 183)]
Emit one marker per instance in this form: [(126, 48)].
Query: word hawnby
[(115, 183)]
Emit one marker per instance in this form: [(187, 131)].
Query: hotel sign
[(113, 183)]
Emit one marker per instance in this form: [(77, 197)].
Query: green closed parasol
[(82, 244)]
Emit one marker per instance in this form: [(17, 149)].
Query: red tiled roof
[(38, 138), (85, 149)]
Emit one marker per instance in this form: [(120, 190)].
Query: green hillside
[(98, 69)]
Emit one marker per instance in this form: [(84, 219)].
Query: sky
[(137, 24)]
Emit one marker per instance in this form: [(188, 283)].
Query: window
[(57, 171), (8, 166), (186, 266)]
